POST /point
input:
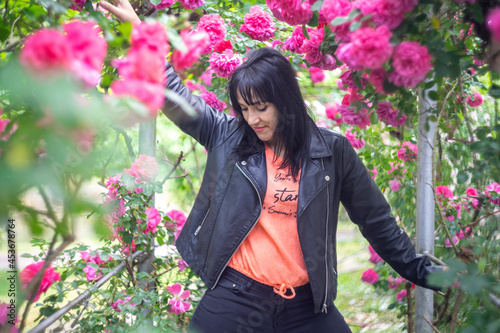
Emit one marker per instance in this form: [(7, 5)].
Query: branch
[(432, 326), (455, 311), (105, 165), (50, 210), (35, 283), (128, 142), (482, 218), (409, 312), (435, 260), (443, 223)]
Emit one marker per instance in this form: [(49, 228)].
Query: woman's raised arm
[(122, 9)]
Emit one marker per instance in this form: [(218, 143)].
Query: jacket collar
[(318, 147)]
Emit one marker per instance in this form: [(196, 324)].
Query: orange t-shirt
[(271, 253)]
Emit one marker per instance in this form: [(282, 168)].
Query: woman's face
[(262, 117)]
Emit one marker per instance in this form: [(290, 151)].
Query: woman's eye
[(263, 109), (244, 110)]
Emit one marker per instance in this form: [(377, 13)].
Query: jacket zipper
[(255, 222), (325, 307), (203, 220)]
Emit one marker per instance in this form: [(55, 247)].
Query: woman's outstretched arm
[(208, 126)]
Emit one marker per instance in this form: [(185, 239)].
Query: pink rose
[(120, 301), (224, 64), (470, 191), (151, 36), (359, 118), (369, 276), (371, 47), (196, 43), (207, 76), (258, 24), (142, 64), (447, 242), (154, 219), (6, 311), (338, 8), (475, 100), (295, 41), (45, 52), (345, 54), (411, 62), (389, 115), (353, 139), (144, 168), (462, 235), (377, 78), (181, 264), (163, 4), (78, 5), (192, 4), (495, 188), (178, 219), (91, 273), (88, 49), (493, 23), (178, 305), (333, 113), (151, 94), (394, 283), (313, 54), (409, 154), (374, 257), (293, 12), (29, 272), (211, 99), (442, 191), (317, 74), (215, 27), (348, 81), (386, 12), (223, 45), (394, 184), (401, 295)]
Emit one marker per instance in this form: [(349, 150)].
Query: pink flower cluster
[(388, 114), (317, 74), (211, 99), (356, 142), (123, 302), (80, 50), (196, 44), (293, 12), (163, 4), (493, 23), (192, 4), (347, 81), (369, 276), (377, 78), (90, 271), (475, 100), (349, 115), (374, 257), (338, 8), (258, 24), (143, 69), (178, 305), (215, 27), (78, 5), (153, 220), (369, 48), (407, 152), (4, 136), (493, 193), (333, 113), (144, 168), (411, 63), (30, 271), (295, 42), (178, 219), (394, 184), (389, 13), (225, 63), (313, 55), (394, 283), (8, 317), (443, 193)]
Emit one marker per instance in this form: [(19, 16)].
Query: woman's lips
[(259, 129)]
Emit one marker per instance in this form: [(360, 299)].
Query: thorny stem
[(410, 310), (455, 311), (443, 223), (434, 328)]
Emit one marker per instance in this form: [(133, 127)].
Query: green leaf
[(142, 275), (314, 21), (462, 177), (494, 91), (155, 2), (317, 5), (433, 95), (176, 40), (353, 13), (355, 26), (304, 31), (339, 20)]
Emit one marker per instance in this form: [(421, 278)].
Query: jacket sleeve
[(209, 127), (368, 208)]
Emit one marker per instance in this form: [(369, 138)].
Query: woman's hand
[(122, 9)]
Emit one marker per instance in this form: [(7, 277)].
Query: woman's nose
[(253, 118)]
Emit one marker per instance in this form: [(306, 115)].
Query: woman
[(261, 233)]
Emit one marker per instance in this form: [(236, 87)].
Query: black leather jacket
[(229, 202)]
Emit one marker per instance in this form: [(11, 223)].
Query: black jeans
[(240, 304)]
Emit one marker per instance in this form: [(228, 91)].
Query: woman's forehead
[(249, 97)]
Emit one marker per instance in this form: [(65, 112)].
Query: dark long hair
[(268, 76)]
